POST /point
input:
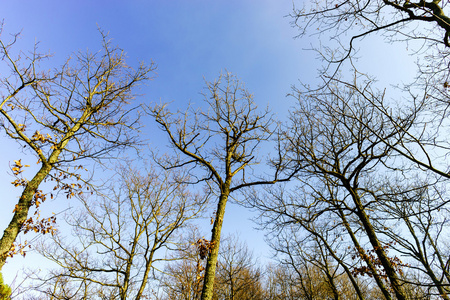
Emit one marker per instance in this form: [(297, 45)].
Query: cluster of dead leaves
[(17, 167), (18, 248), (40, 225), (204, 247), (371, 256)]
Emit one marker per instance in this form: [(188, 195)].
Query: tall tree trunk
[(363, 255), (21, 212), (379, 250), (210, 272)]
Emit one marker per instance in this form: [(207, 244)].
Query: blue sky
[(189, 40)]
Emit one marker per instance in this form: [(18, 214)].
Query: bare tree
[(422, 23), (356, 145), (238, 275), (354, 180), (338, 155), (307, 237), (80, 110), (221, 146), (121, 237), (280, 283), (283, 282), (184, 275), (415, 197), (421, 209)]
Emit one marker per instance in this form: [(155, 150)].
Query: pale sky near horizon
[(189, 40)]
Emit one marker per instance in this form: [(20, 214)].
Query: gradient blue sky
[(188, 40)]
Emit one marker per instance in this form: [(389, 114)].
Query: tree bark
[(379, 250), (210, 272), (21, 212)]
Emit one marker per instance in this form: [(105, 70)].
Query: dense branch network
[(80, 110)]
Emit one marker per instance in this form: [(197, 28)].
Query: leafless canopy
[(79, 110), (424, 25), (223, 142), (224, 139), (119, 237)]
